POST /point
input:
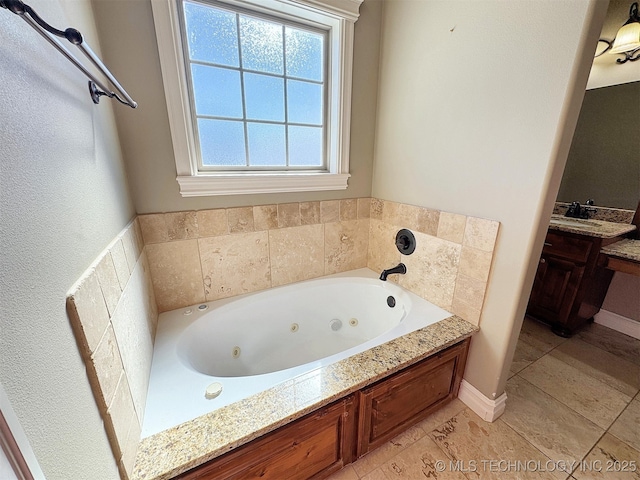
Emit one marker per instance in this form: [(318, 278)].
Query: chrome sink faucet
[(400, 268)]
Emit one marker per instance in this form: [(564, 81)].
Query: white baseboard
[(488, 409), (618, 322)]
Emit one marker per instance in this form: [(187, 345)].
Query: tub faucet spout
[(400, 268)]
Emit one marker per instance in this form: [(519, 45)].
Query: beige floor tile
[(552, 427), (539, 335), (627, 426), (610, 369), (613, 342), (377, 474), (380, 455), (423, 459), (439, 417), (347, 473), (524, 355), (609, 459), (483, 446), (579, 391)]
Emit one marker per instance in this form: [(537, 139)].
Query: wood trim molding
[(488, 409)]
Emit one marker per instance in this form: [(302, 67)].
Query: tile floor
[(573, 412)]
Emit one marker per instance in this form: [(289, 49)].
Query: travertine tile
[(468, 438), (451, 226), (109, 283), (391, 213), (382, 253), (539, 335), (154, 228), (181, 225), (240, 219), (176, 274), (612, 341), (377, 474), (120, 263), (387, 451), (470, 291), (137, 233), (235, 264), (120, 415), (552, 427), (582, 393), (610, 369), (212, 223), (626, 426), (464, 310), (406, 216), (330, 211), (480, 233), (524, 356), (288, 215), (432, 269), (265, 217), (609, 459), (347, 473), (420, 460), (88, 312), (364, 208), (135, 337), (348, 209), (130, 247), (309, 213), (428, 221), (150, 298), (346, 245), (475, 263), (377, 207), (297, 253), (107, 365), (442, 415), (131, 447)]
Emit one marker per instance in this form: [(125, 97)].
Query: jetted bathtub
[(211, 355)]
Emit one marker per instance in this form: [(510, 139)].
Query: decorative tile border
[(112, 309)]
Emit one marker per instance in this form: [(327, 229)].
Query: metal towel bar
[(97, 88)]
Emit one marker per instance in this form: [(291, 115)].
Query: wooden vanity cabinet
[(392, 405), (312, 447), (324, 441), (569, 286)]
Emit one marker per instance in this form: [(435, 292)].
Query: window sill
[(237, 184)]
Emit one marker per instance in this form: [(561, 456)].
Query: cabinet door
[(389, 407), (313, 447), (555, 289)]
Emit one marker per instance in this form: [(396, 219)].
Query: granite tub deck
[(626, 249), (181, 448)]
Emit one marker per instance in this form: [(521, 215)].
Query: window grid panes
[(258, 89)]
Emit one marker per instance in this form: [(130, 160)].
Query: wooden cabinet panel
[(569, 286), (312, 447), (391, 406)]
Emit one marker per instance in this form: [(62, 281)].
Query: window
[(258, 93)]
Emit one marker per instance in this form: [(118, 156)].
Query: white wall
[(476, 109), (63, 197)]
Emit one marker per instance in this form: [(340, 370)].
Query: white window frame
[(339, 17)]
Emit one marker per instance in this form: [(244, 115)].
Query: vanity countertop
[(627, 249), (178, 449), (590, 227)]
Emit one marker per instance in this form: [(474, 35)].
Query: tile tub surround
[(207, 255), (112, 309), (193, 443)]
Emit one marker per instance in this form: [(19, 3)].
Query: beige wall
[(476, 108), (63, 198), (130, 49), (622, 296)]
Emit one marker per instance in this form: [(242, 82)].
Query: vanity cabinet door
[(555, 288), (397, 402), (312, 447)]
